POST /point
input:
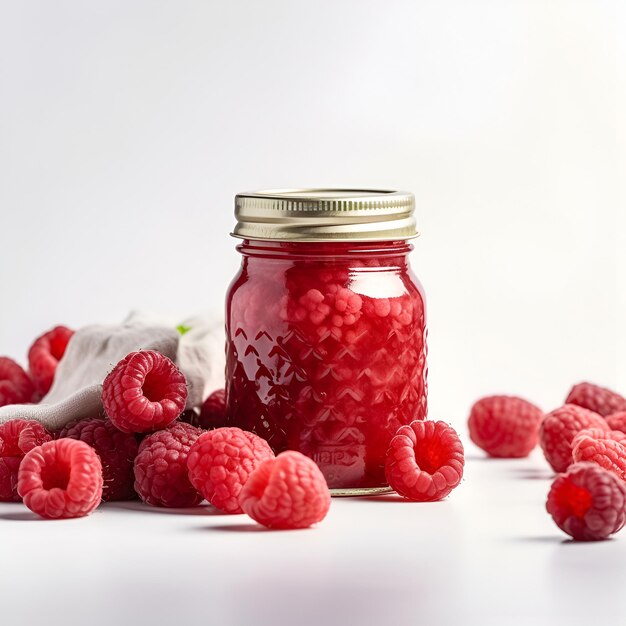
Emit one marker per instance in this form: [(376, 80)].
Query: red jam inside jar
[(326, 351)]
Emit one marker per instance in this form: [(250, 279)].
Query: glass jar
[(326, 328)]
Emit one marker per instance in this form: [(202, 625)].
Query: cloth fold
[(197, 348)]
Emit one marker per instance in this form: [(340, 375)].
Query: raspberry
[(617, 421), (288, 491), (9, 466), (220, 463), (117, 452), (213, 411), (144, 392), (599, 399), (17, 437), (425, 461), (16, 387), (61, 478), (606, 448), (559, 428), (44, 356), (190, 416), (505, 426), (161, 467), (211, 415), (587, 502)]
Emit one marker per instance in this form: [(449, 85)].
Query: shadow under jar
[(326, 328)]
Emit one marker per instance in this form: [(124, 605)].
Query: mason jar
[(326, 328)]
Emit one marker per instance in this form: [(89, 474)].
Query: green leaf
[(182, 329)]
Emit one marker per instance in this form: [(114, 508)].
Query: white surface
[(488, 555), (126, 128)]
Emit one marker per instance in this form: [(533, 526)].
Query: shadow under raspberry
[(250, 527), (202, 509)]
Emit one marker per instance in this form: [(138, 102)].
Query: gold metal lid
[(325, 215)]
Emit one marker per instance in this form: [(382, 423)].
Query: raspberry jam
[(326, 351)]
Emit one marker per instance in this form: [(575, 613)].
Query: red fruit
[(190, 416), (17, 437), (213, 411), (599, 399), (9, 466), (117, 452), (617, 421), (559, 428), (220, 463), (425, 461), (60, 479), (288, 491), (144, 392), (161, 467), (44, 356), (505, 426), (16, 387), (588, 502), (606, 448)]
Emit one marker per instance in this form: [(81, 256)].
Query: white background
[(126, 128)]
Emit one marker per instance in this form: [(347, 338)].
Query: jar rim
[(325, 214)]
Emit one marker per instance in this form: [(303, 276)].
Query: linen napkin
[(196, 345)]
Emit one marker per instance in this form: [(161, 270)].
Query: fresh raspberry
[(505, 426), (61, 478), (44, 356), (161, 467), (599, 399), (588, 502), (606, 448), (117, 452), (559, 428), (16, 386), (220, 463), (9, 467), (617, 421), (213, 411), (144, 392), (288, 491), (425, 461), (17, 437), (190, 416)]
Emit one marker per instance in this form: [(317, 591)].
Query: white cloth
[(94, 350)]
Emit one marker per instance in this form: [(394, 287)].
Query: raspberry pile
[(149, 443), (584, 440)]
